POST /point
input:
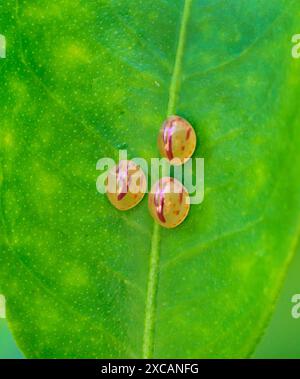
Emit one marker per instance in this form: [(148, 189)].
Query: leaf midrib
[(153, 275)]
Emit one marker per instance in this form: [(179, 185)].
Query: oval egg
[(169, 202), (177, 140), (125, 185)]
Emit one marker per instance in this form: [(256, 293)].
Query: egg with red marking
[(177, 140), (169, 202), (125, 185)]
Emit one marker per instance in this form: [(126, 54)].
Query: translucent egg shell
[(169, 202), (177, 140), (125, 185)]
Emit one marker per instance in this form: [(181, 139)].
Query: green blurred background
[(281, 340)]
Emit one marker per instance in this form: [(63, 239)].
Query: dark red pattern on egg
[(181, 197), (123, 182), (188, 133), (159, 202), (167, 137)]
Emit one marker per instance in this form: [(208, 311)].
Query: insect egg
[(125, 185), (177, 140), (169, 202)]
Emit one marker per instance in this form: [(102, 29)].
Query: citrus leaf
[(82, 80)]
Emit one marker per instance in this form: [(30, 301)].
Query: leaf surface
[(83, 79)]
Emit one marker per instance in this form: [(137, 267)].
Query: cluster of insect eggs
[(168, 199)]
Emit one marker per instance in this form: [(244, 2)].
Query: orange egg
[(177, 140), (169, 202), (125, 185)]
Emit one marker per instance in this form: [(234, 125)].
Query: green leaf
[(83, 78), (8, 349)]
